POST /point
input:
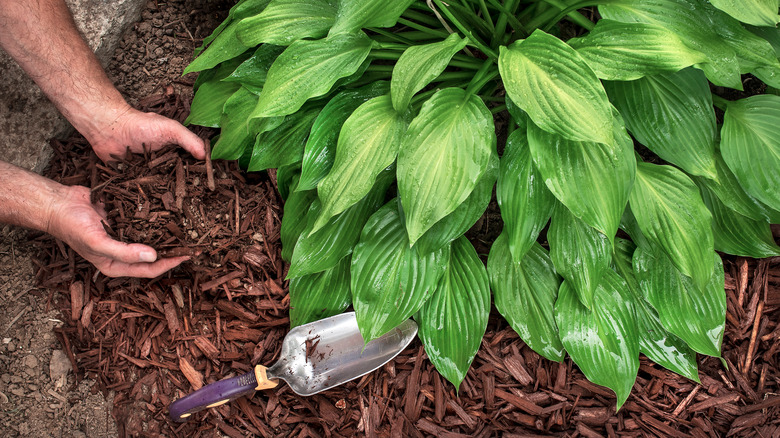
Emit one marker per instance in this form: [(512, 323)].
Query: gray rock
[(27, 119), (59, 367), (31, 361)]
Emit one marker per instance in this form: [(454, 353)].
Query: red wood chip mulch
[(152, 341)]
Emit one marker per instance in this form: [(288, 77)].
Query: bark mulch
[(153, 341)]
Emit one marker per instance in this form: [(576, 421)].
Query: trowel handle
[(219, 393)]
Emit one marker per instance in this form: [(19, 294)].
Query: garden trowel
[(315, 357)]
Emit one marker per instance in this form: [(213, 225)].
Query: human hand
[(138, 130), (76, 221)]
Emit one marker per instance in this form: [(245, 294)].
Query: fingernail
[(147, 256)]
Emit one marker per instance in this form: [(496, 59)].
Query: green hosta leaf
[(626, 51), (286, 21), (418, 66), (737, 234), (207, 104), (235, 136), (214, 34), (519, 116), (284, 144), (580, 253), (730, 48), (390, 279), (453, 321), (592, 179), (221, 71), (317, 296), (750, 144), (309, 69), (444, 153), (368, 143), (770, 34), (225, 46), (525, 294), (253, 72), (696, 315), (769, 74), (239, 11), (525, 201), (247, 8), (672, 115), (356, 14), (756, 12), (655, 341), (320, 149), (294, 219), (603, 342), (287, 178), (552, 83), (465, 216), (669, 211), (316, 252), (731, 193), (629, 224)]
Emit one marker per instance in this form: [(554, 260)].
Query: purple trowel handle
[(213, 395)]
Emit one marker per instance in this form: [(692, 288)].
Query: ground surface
[(146, 343), (151, 57)]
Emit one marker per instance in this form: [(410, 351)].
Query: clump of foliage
[(613, 141)]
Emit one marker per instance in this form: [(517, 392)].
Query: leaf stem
[(498, 109), (482, 77), (720, 102), (477, 43), (422, 97), (506, 14), (420, 17), (574, 16), (421, 28), (486, 14), (574, 7), (392, 36)]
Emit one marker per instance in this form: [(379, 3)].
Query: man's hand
[(138, 131), (78, 222), (42, 37)]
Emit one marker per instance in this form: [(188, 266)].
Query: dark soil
[(153, 341)]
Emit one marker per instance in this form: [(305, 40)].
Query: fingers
[(186, 139), (141, 270), (123, 252), (117, 259)]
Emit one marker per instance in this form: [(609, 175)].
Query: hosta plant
[(620, 173)]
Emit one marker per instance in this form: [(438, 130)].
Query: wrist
[(56, 209), (28, 199), (98, 121)]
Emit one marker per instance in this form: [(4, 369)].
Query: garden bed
[(227, 310), (153, 341)]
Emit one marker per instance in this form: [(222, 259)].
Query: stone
[(31, 361), (59, 367), (28, 120)]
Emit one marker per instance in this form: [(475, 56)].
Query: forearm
[(27, 199), (42, 37)]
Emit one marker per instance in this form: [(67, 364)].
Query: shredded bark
[(225, 310)]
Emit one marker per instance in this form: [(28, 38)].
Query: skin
[(42, 37)]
